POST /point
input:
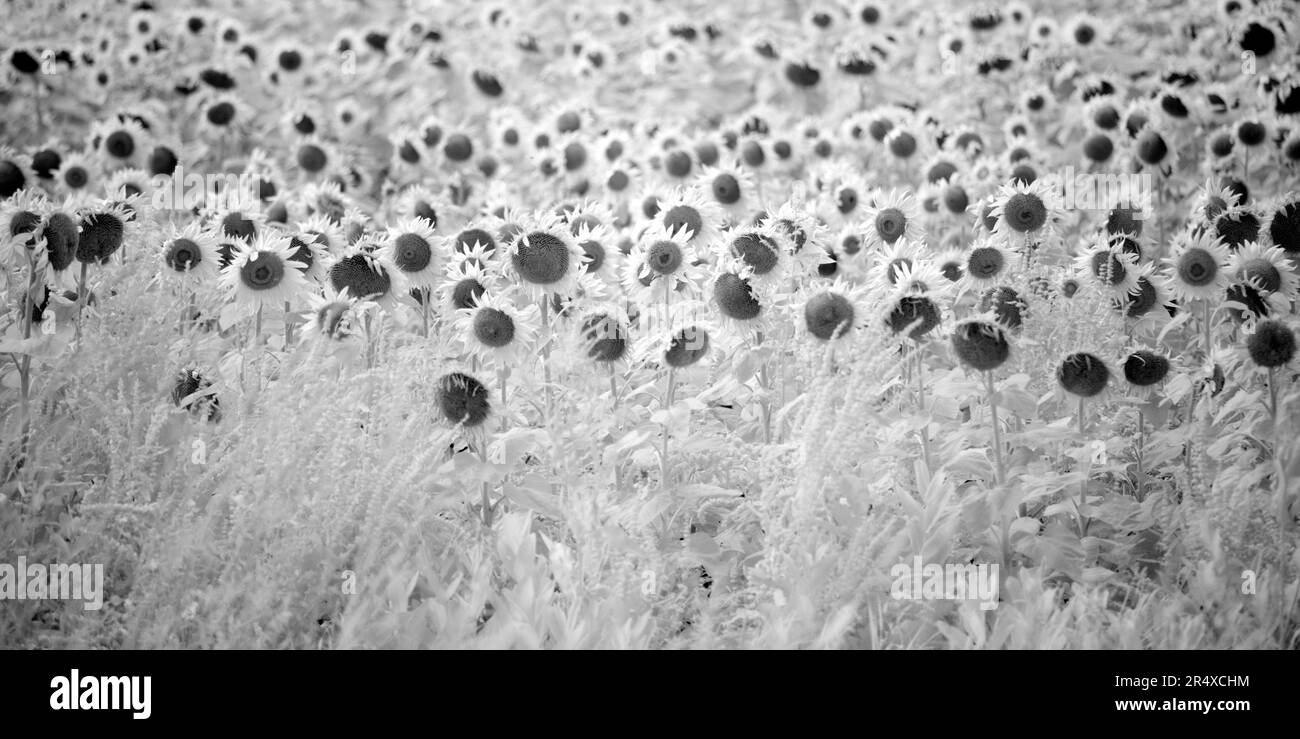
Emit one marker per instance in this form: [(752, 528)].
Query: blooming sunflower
[(833, 311), (464, 282), (890, 218), (261, 274), (544, 256), (1026, 211), (1283, 224), (77, 173), (1266, 269), (660, 265), (190, 254), (119, 142), (1198, 267), (332, 315), (731, 188), (414, 250), (1109, 266), (364, 271), (801, 233), (601, 258), (743, 311), (1147, 303), (496, 331), (686, 210), (986, 264), (20, 216), (319, 229), (759, 248)]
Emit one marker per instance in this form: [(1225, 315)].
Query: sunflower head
[(1272, 344), (1144, 368), (981, 344), (463, 399), (1083, 374)]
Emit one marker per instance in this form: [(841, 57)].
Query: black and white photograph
[(649, 325)]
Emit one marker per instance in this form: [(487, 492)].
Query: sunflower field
[(652, 324)]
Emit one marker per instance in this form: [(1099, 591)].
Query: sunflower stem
[(1209, 331), (501, 377), (667, 407), (613, 394), (424, 311), (81, 298), (764, 382), (546, 355), (25, 366), (1279, 472), (486, 497), (40, 110), (1140, 492), (920, 403), (999, 470), (1083, 484), (288, 327)]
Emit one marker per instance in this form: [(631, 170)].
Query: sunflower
[(365, 271), (418, 201), (1147, 302), (833, 311), (1109, 266), (332, 315), (915, 313), (222, 117), (688, 211), (413, 249), (601, 257), (120, 142), (129, 184), (495, 330), (1267, 270), (660, 265), (683, 340), (1237, 225), (310, 252), (981, 342), (618, 181), (289, 61), (588, 212), (891, 218), (1283, 224), (189, 254), (845, 200), (261, 274), (350, 117), (1198, 267), (544, 256), (1027, 211), (409, 155), (732, 188), (743, 311), (77, 173), (105, 226), (463, 283), (313, 156), (801, 233), (893, 263), (21, 215), (604, 333), (759, 248), (1212, 200), (988, 263), (320, 230)]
